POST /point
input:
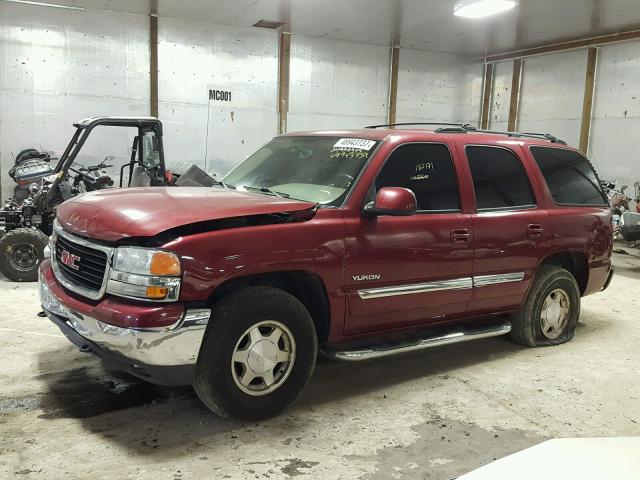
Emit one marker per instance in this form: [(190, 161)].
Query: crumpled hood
[(111, 215)]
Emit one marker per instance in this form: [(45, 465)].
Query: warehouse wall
[(551, 95), (615, 128), (438, 87), (551, 98), (336, 84), (501, 96), (58, 66), (194, 58)]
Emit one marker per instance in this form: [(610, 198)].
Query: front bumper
[(164, 355)]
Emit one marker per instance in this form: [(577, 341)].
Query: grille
[(91, 263)]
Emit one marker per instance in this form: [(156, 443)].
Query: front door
[(407, 271)]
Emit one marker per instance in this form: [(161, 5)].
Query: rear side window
[(427, 170), (569, 176), (499, 180)]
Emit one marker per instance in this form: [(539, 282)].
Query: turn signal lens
[(164, 263), (157, 292)]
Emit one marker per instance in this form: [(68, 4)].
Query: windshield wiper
[(220, 183), (266, 190)]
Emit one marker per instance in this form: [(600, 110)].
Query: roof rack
[(466, 127)]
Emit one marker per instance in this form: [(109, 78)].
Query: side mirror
[(395, 201)]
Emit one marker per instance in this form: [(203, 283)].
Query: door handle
[(535, 230), (460, 235)]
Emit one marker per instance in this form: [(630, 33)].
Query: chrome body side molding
[(484, 280), (454, 284)]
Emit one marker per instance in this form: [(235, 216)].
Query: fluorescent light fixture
[(482, 8), (41, 4)]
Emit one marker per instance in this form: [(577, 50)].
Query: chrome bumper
[(174, 345)]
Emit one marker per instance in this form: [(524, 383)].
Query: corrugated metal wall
[(58, 66), (438, 87)]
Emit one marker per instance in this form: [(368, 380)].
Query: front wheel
[(21, 251), (257, 354), (549, 314)]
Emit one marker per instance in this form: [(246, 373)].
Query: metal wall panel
[(501, 96), (438, 87), (334, 84), (195, 57), (615, 128), (552, 93), (58, 66)]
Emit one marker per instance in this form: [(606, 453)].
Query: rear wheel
[(21, 251), (257, 354), (549, 314)]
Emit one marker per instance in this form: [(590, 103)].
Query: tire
[(218, 379), (22, 265), (529, 324)]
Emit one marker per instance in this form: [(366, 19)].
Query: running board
[(456, 336)]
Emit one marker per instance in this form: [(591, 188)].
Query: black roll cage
[(85, 126)]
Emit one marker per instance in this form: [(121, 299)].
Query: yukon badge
[(363, 278)]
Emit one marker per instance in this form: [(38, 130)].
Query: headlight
[(145, 261), (144, 273)]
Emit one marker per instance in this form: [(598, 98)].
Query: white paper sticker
[(357, 143)]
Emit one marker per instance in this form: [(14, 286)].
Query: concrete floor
[(436, 414)]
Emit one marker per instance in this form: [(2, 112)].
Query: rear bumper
[(164, 355)]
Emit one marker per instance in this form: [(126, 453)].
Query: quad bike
[(26, 222)]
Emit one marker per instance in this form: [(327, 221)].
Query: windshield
[(316, 169)]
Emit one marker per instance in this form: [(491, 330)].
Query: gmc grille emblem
[(70, 260)]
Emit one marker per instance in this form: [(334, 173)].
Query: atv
[(26, 220)]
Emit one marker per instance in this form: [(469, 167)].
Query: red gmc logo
[(69, 259)]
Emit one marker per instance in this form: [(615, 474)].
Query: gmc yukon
[(355, 244)]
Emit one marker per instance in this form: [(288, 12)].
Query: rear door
[(511, 228), (405, 271)]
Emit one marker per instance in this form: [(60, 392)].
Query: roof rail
[(460, 125), (466, 127)]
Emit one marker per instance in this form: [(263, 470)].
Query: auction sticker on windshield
[(357, 143)]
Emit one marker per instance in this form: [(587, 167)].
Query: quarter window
[(570, 178), (499, 180), (426, 169)]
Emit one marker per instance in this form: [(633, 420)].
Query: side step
[(455, 336)]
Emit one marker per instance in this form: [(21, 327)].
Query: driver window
[(150, 150), (426, 169)]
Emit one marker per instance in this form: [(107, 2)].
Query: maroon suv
[(357, 244)]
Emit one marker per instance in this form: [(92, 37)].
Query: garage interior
[(570, 68)]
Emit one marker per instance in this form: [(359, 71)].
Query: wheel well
[(305, 286), (575, 262)]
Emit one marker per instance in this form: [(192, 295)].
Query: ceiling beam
[(587, 104), (568, 45)]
